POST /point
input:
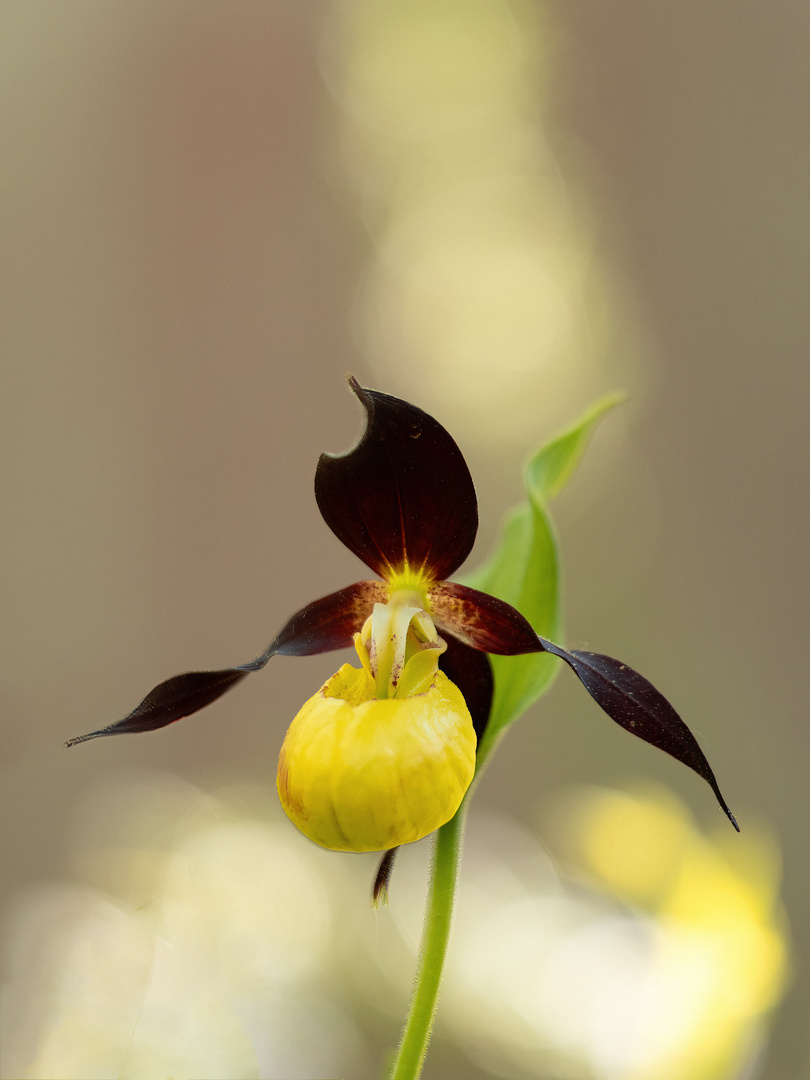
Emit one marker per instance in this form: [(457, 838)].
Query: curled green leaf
[(524, 570)]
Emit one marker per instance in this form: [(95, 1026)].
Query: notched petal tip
[(171, 700), (403, 495), (635, 704)]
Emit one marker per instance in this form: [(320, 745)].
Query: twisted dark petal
[(403, 494), (328, 623), (471, 671), (481, 621), (173, 699), (325, 624), (635, 704), (382, 879)]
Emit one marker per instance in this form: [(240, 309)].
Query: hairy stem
[(410, 1057)]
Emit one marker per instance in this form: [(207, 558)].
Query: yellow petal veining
[(359, 773)]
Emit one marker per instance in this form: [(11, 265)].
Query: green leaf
[(524, 571), (552, 466)]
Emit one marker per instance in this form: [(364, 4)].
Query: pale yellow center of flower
[(399, 646)]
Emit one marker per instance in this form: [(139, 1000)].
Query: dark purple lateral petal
[(635, 704), (328, 623), (481, 621), (325, 624), (173, 699), (403, 494), (471, 671)]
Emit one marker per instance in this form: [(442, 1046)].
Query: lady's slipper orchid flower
[(383, 754)]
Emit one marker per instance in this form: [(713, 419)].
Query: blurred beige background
[(182, 263)]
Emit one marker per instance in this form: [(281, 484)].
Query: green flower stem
[(446, 859), (435, 935)]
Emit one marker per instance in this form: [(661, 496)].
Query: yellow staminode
[(381, 755)]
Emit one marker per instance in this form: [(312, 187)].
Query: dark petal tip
[(382, 879), (328, 623), (173, 699), (636, 705), (403, 494)]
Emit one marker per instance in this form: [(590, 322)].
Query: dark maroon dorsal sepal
[(404, 494)]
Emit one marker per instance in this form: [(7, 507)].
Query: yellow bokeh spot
[(633, 847), (483, 289), (720, 960)]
